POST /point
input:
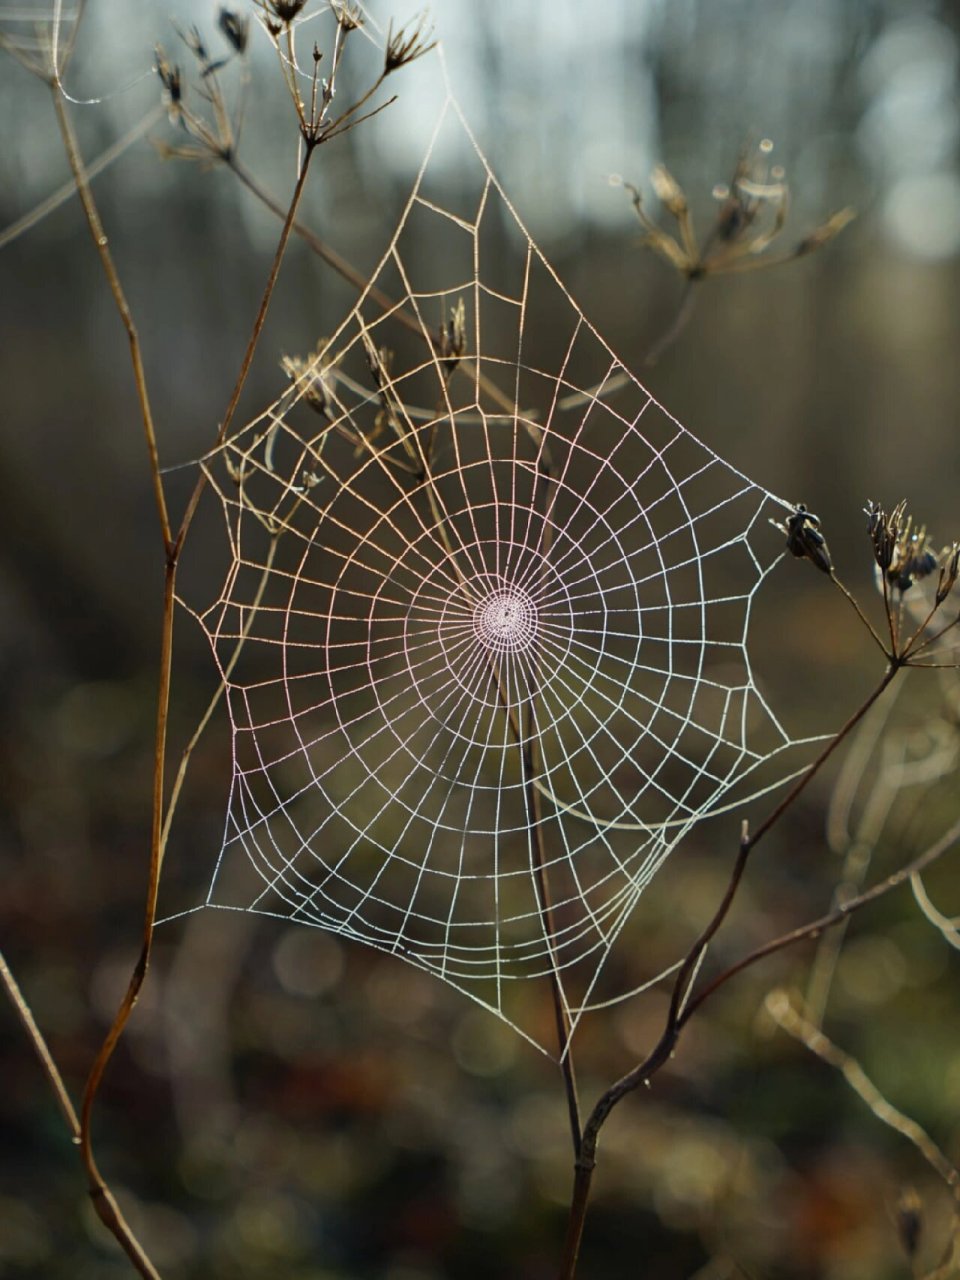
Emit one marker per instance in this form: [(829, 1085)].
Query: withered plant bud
[(909, 1221), (235, 28), (949, 570), (407, 44), (314, 378), (452, 340), (804, 539), (169, 78)]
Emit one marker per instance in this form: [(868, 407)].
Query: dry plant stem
[(69, 188), (895, 666), (943, 924), (675, 328), (247, 361), (103, 1199), (161, 825), (349, 273), (35, 1036), (840, 913), (100, 1193), (657, 348), (855, 605), (525, 735), (217, 696), (788, 1016), (586, 1161), (120, 301), (681, 1005), (534, 806), (858, 852)]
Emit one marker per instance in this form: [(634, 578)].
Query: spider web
[(484, 632)]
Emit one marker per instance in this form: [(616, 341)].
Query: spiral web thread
[(484, 633)]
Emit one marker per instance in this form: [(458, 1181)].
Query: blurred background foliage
[(285, 1104)]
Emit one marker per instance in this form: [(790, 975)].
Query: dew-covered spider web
[(484, 635)]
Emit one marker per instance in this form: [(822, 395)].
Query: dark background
[(285, 1104)]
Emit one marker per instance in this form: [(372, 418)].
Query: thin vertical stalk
[(681, 1006), (102, 245), (101, 1196), (535, 816), (288, 222), (35, 1036)]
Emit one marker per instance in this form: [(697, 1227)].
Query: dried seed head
[(804, 539), (380, 360), (407, 44), (903, 551), (909, 1221), (753, 213), (885, 532), (914, 559), (949, 570), (172, 83), (314, 378), (194, 42), (821, 235), (668, 190), (348, 15), (284, 11), (235, 28), (452, 339)]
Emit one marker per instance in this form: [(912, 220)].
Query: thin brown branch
[(855, 605), (682, 1010), (217, 696), (534, 807), (834, 917), (641, 1074), (254, 340), (102, 1197), (786, 1013), (102, 246), (350, 273), (682, 1005), (808, 775), (35, 1036), (69, 188), (943, 924), (100, 1193)]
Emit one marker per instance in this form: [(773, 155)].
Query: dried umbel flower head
[(314, 377), (901, 549), (452, 338), (407, 44), (752, 214), (283, 12), (349, 16), (949, 571), (235, 28), (172, 83), (909, 1216)]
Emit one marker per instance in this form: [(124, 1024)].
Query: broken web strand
[(423, 662)]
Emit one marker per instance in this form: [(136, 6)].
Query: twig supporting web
[(492, 665)]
